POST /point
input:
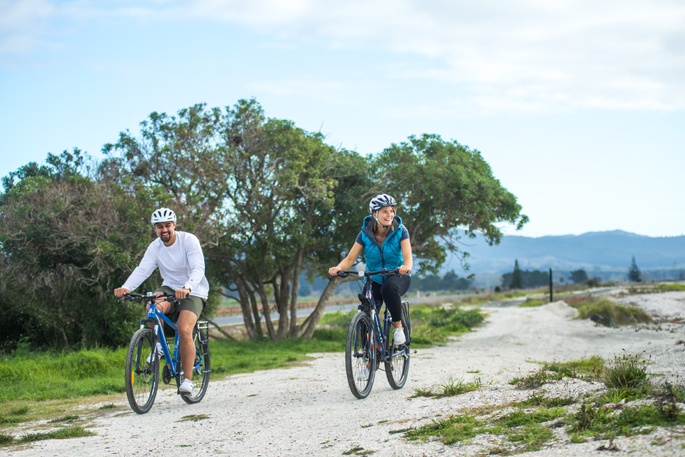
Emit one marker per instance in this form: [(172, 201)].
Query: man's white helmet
[(381, 201), (163, 215)]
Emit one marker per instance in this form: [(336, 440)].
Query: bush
[(620, 314), (627, 372)]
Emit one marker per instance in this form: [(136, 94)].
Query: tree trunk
[(293, 295), (222, 331), (255, 313), (266, 311), (245, 308), (309, 325), (282, 305)]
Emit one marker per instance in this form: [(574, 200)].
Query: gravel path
[(309, 410)]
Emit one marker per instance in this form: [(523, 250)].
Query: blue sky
[(578, 106)]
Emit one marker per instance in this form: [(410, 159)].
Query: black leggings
[(391, 293)]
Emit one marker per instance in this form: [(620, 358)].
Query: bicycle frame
[(158, 318), (380, 333)]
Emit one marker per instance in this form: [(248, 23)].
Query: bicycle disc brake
[(166, 375)]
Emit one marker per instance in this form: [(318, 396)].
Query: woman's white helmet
[(381, 201), (163, 215)]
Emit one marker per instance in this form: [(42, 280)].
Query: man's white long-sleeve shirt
[(181, 264)]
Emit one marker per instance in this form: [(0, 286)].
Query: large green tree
[(260, 191), (445, 191), (65, 241)]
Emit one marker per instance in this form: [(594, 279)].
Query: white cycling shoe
[(160, 354), (398, 338), (186, 387), (363, 375)]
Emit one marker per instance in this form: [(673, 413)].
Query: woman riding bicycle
[(386, 246)]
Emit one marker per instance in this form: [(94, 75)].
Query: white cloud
[(508, 55)]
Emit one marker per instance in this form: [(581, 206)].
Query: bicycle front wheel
[(200, 366), (360, 358), (397, 368), (142, 371)]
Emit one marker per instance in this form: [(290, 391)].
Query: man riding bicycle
[(180, 260)]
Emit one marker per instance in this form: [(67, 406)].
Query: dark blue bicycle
[(369, 342), (142, 360)]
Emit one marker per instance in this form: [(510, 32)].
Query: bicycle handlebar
[(136, 297), (361, 274)]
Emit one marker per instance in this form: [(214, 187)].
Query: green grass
[(532, 436), (450, 388), (529, 425), (620, 314), (601, 421), (671, 287), (51, 376), (15, 416), (590, 369), (434, 325), (62, 433), (531, 303), (430, 324), (627, 372), (518, 428), (541, 400)]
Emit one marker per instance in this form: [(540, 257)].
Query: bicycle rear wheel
[(142, 371), (397, 368), (360, 358), (200, 366)]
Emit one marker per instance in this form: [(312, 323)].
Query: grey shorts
[(191, 302)]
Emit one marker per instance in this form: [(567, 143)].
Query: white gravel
[(309, 410)]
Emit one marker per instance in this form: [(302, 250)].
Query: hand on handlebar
[(404, 270), (120, 292), (334, 271), (182, 293)]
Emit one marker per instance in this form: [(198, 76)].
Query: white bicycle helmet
[(381, 201), (163, 215)]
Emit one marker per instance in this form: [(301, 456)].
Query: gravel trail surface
[(309, 410)]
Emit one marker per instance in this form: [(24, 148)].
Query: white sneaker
[(398, 338), (363, 375), (160, 354), (186, 387)]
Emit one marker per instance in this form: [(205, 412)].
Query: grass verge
[(33, 376)]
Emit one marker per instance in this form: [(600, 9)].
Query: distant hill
[(592, 251)]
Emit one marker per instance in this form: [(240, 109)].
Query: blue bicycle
[(369, 343), (142, 360)]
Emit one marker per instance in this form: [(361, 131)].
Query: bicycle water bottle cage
[(365, 304)]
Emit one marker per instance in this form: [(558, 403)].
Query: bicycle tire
[(142, 378), (397, 368), (201, 366), (360, 354)]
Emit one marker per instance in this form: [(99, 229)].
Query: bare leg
[(186, 323), (162, 306)]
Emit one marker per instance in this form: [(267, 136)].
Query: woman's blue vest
[(389, 255)]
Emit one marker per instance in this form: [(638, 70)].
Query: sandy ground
[(309, 410)]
